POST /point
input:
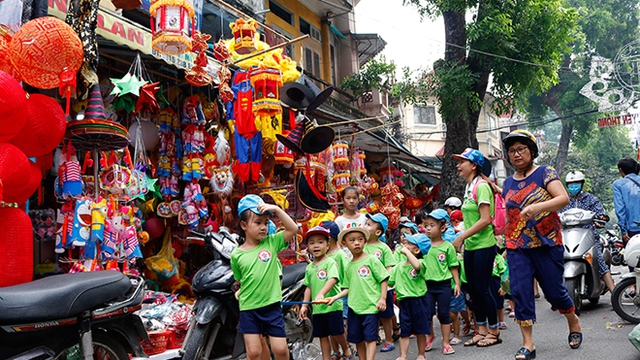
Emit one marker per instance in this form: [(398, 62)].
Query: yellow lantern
[(172, 25)]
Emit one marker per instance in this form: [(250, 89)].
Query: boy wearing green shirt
[(409, 279), (366, 279), (499, 267), (321, 278), (377, 246)]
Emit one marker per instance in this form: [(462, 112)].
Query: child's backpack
[(499, 218)]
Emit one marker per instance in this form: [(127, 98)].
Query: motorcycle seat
[(59, 296), (292, 273)]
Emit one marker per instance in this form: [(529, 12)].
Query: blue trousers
[(478, 266)]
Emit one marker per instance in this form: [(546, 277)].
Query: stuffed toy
[(69, 174), (81, 232)]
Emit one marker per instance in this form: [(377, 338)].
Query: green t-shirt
[(398, 256), (408, 281), (381, 251), (258, 271), (342, 260), (439, 259), (471, 215), (315, 277), (363, 279), (461, 272), (499, 266)]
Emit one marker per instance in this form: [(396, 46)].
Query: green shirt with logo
[(471, 215), (342, 260), (408, 281), (499, 266), (398, 256), (381, 251), (315, 277), (439, 259), (363, 279), (258, 271)]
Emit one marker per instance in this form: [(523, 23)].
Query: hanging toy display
[(194, 207), (193, 140), (171, 26), (197, 75), (169, 170)]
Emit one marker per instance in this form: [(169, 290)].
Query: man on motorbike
[(583, 200)]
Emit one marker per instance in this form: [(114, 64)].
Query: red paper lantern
[(170, 26), (5, 62), (16, 239), (412, 203), (47, 53), (266, 82), (14, 166), (44, 128), (29, 185), (13, 101)]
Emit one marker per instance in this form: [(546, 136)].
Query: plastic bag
[(164, 264), (634, 337), (505, 282)]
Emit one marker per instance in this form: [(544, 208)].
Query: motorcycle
[(72, 316), (615, 245), (625, 298), (213, 332), (581, 275)]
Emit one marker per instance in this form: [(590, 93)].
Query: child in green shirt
[(367, 279), (254, 264), (499, 267), (442, 262), (409, 279), (406, 228), (321, 278)]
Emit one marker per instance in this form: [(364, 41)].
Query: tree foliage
[(376, 73), (521, 44)]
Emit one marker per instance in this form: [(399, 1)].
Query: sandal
[(575, 337), (475, 340), (466, 329), (387, 347), (396, 334), (429, 343), (525, 354), (490, 340), (448, 350)]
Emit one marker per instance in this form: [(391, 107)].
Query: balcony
[(374, 103)]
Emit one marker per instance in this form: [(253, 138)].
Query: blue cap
[(318, 230), (472, 155), (380, 219), (250, 202), (409, 225), (333, 228), (421, 240), (439, 214), (271, 227)]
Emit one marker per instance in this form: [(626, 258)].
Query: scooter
[(625, 298), (581, 275), (213, 332), (72, 316), (615, 246)]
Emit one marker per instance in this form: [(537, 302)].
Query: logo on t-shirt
[(495, 264), (264, 256), (364, 271), (350, 225), (413, 273), (321, 274), (442, 257), (378, 254)]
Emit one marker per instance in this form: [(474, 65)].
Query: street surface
[(605, 337)]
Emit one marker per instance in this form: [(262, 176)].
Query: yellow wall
[(299, 10)]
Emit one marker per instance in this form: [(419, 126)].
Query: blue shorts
[(345, 307), (388, 312), (362, 327), (458, 304), (267, 320), (414, 316), (328, 324)]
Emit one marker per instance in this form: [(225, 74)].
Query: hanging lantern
[(387, 175), (341, 180), (340, 152), (171, 25), (320, 177), (266, 82), (244, 35), (412, 203), (282, 154), (16, 234), (47, 53)]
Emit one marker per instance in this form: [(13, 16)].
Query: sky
[(410, 42)]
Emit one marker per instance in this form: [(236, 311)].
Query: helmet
[(574, 176), (632, 251), (524, 137), (453, 202)]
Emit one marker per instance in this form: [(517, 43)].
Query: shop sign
[(608, 121)]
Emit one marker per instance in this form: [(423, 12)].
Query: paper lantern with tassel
[(171, 26), (13, 101), (14, 166), (47, 53), (44, 128), (16, 238)]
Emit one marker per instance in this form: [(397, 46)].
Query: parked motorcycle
[(72, 316), (581, 275), (614, 243), (213, 330), (625, 299)]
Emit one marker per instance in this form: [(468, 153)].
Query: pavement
[(605, 337)]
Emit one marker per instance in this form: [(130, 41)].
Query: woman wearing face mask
[(578, 198)]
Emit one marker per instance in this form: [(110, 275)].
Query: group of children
[(351, 256)]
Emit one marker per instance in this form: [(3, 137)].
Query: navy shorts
[(388, 312), (414, 316), (362, 327), (439, 292), (328, 324), (458, 304), (267, 320)]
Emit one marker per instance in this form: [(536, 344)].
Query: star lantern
[(124, 89), (147, 99), (47, 53), (171, 25)]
